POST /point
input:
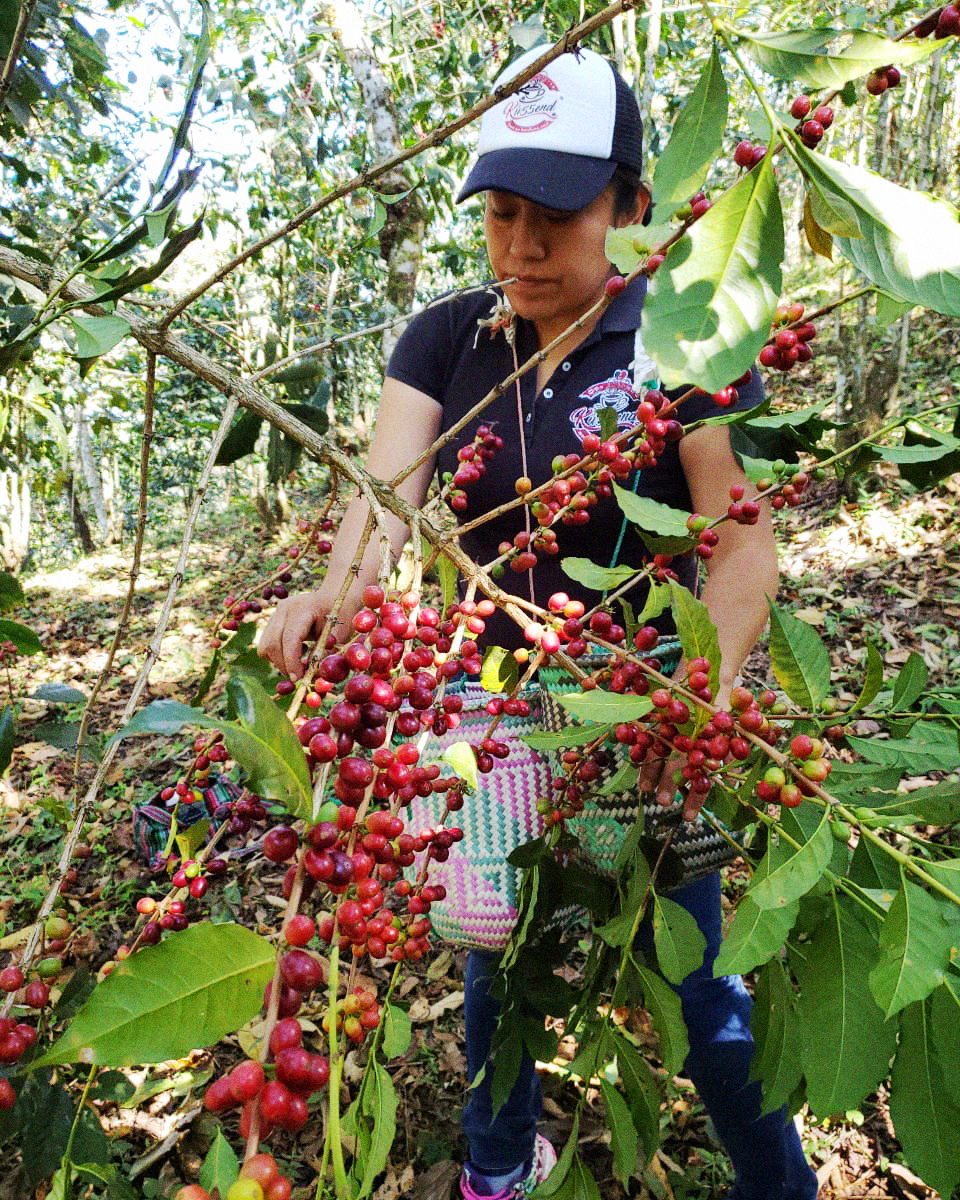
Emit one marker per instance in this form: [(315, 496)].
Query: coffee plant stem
[(906, 861), (146, 441), (67, 1160), (333, 1143)]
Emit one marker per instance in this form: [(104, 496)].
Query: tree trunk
[(15, 508), (90, 470), (401, 237)]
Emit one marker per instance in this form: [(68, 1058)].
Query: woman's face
[(558, 257)]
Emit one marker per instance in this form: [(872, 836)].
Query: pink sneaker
[(544, 1160)]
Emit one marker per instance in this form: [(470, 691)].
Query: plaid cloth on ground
[(152, 821), (480, 911)]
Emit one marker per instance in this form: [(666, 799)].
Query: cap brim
[(566, 182)]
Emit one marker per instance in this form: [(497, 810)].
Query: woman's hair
[(627, 186)]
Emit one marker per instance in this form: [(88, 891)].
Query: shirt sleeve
[(423, 353)]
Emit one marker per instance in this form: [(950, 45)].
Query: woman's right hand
[(294, 621)]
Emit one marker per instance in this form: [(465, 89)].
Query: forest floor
[(878, 569)]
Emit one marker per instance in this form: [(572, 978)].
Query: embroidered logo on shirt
[(532, 109), (616, 393)]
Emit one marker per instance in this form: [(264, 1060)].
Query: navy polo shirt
[(446, 353)]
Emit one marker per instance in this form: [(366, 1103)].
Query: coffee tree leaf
[(697, 632), (658, 601), (800, 660), (25, 640), (625, 245), (372, 1118), (221, 1166), (819, 239), (873, 870), (597, 578), (11, 592), (678, 939), (603, 707), (889, 309), (930, 747), (775, 1025), (577, 1184), (925, 1115), (642, 1093), (846, 1041), (448, 580), (500, 671), (97, 335), (873, 681), (652, 516), (570, 735), (663, 1005), (8, 735), (945, 1017), (909, 243), (915, 943), (755, 936), (461, 757), (266, 746), (397, 1031), (910, 682), (696, 138), (832, 214), (186, 992), (623, 1134), (241, 439), (804, 55), (795, 876), (623, 781), (58, 693), (561, 1172), (710, 304)]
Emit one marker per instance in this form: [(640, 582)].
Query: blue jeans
[(767, 1157)]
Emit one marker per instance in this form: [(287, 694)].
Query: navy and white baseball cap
[(558, 140)]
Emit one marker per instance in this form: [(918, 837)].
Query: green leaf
[(561, 1172), (909, 243), (847, 1043), (11, 593), (570, 735), (266, 747), (598, 579), (25, 640), (926, 1117), (97, 335), (373, 1116), (710, 304), (889, 309), (448, 580), (910, 682), (604, 707), (663, 1005), (798, 874), (800, 660), (500, 671), (803, 55), (461, 757), (221, 1166), (625, 780), (945, 1015), (874, 678), (8, 735), (697, 632), (625, 245), (679, 942), (241, 439), (755, 936), (165, 716), (651, 515), (915, 944), (643, 1095), (58, 693), (930, 747), (775, 1025), (696, 138), (658, 600), (623, 1136), (187, 992), (397, 1031)]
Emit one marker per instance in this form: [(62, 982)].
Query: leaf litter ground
[(875, 569)]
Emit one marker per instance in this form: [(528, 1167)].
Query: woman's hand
[(294, 621)]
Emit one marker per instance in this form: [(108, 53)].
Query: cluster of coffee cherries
[(791, 343), (259, 1179), (280, 1098), (881, 79), (522, 553), (791, 484), (748, 155), (8, 652), (943, 23), (473, 459), (779, 787), (812, 125), (17, 1037)]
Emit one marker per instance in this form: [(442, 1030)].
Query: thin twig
[(24, 17)]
